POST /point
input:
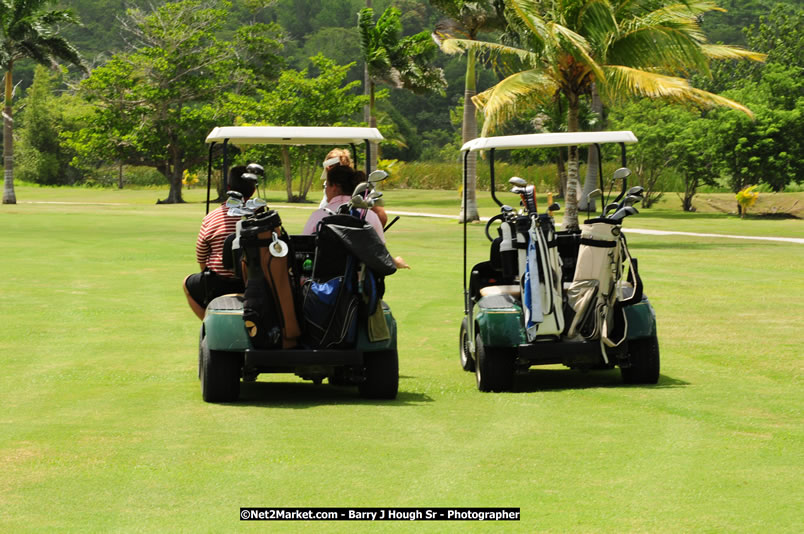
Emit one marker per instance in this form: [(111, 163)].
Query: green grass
[(102, 427)]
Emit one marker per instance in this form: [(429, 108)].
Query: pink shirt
[(334, 204)]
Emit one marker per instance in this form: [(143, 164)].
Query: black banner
[(260, 513)]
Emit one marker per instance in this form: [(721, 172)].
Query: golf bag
[(540, 265), (599, 291), (269, 308), (347, 281)]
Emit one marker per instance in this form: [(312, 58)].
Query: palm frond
[(731, 52), (512, 96), (530, 15), (671, 49), (624, 81), (495, 50)]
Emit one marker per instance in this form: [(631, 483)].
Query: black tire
[(494, 367), (381, 375), (644, 356), (220, 375), (467, 361)]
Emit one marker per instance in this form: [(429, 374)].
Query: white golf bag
[(599, 291), (540, 269)]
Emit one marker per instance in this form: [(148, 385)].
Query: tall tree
[(28, 29), (467, 19), (621, 46), (401, 62), (165, 94)]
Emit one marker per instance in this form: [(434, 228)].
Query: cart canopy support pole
[(465, 199), (209, 173)]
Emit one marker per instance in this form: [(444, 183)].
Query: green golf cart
[(313, 303), (546, 296)]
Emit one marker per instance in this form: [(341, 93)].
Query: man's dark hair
[(237, 183), (345, 177)]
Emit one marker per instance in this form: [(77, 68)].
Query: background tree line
[(160, 79)]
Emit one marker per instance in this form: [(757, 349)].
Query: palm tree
[(28, 29), (468, 18), (401, 62), (626, 48)]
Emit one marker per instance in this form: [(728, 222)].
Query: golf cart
[(556, 297), (313, 303)]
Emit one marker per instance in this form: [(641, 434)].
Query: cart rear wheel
[(467, 361), (494, 367), (644, 356), (220, 374), (381, 375)]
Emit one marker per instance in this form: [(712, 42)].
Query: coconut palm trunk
[(571, 211), (8, 144), (592, 177), (469, 132)]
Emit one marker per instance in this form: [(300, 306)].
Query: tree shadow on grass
[(554, 380), (301, 395)]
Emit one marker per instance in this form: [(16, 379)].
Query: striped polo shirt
[(217, 225)]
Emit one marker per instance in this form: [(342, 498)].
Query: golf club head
[(234, 200), (517, 181), (238, 211), (255, 204), (249, 177), (622, 172), (518, 190), (637, 190), (593, 194), (505, 208), (554, 207), (255, 168), (361, 188), (359, 202), (377, 176), (611, 207), (630, 200), (374, 195), (530, 198), (624, 212)]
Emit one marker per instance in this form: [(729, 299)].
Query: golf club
[(377, 176), (596, 193), (623, 212)]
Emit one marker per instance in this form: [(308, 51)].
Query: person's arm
[(380, 211)]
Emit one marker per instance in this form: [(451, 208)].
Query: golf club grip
[(390, 224)]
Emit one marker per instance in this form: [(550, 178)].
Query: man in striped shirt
[(214, 280)]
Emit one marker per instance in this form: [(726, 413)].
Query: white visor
[(330, 162)]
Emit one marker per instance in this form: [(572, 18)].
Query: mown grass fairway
[(102, 426)]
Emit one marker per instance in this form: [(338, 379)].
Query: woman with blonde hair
[(342, 157)]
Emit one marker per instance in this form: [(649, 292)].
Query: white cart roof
[(293, 135), (549, 140)]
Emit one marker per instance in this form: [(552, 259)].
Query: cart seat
[(513, 290)]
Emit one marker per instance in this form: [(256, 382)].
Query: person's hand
[(400, 263)]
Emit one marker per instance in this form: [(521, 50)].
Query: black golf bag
[(347, 282)]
